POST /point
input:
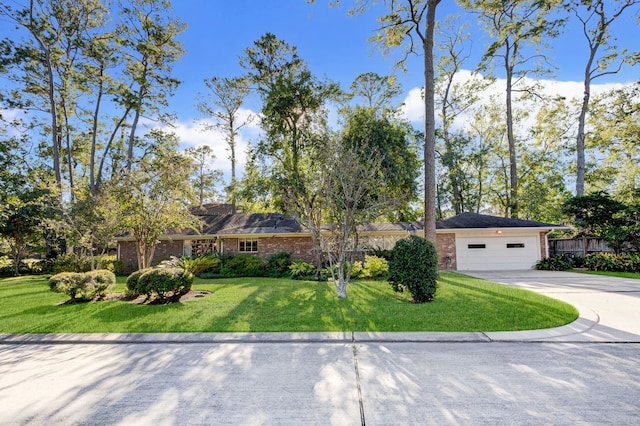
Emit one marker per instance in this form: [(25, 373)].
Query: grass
[(264, 304), (633, 275)]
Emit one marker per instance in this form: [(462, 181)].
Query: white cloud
[(198, 133), (413, 109)]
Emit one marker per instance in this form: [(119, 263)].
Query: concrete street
[(583, 373)]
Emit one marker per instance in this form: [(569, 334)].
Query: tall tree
[(204, 179), (614, 135), (396, 142), (454, 99), (154, 197), (294, 121), (91, 69), (406, 19), (377, 91), (514, 25), (222, 103), (604, 58)]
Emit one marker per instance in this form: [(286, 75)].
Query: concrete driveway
[(609, 307)]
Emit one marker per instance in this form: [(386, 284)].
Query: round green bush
[(165, 284), (133, 290), (414, 268), (83, 286)]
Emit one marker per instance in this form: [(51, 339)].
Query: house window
[(476, 246), (248, 246), (515, 245), (187, 249)]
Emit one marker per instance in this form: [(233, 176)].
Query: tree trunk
[(512, 206), (429, 128)]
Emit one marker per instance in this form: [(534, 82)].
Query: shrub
[(243, 265), (7, 271), (379, 252), (71, 262), (83, 286), (414, 268), (560, 262), (278, 264), (164, 284), (358, 270), (612, 262), (302, 270), (375, 266), (133, 289), (193, 265)]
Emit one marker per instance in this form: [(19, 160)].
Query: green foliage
[(193, 265), (73, 262), (372, 267), (396, 142), (302, 270), (604, 217), (560, 262), (414, 268), (244, 265), (133, 289), (612, 262), (83, 286), (164, 285), (278, 264)]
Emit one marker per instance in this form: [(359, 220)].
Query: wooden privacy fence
[(578, 246)]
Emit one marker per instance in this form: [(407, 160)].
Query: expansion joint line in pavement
[(355, 366)]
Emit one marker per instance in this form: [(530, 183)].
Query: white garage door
[(496, 253)]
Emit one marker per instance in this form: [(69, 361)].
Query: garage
[(499, 252), (478, 242)]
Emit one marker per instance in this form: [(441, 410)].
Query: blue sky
[(335, 46)]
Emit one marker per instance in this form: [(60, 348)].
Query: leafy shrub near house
[(302, 270), (194, 265), (612, 262), (560, 262), (164, 285), (372, 267), (83, 286), (414, 268), (278, 265), (243, 265)]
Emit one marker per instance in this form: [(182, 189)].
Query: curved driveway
[(609, 306)]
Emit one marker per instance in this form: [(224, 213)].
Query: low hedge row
[(594, 262)]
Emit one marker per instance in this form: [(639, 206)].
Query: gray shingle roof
[(474, 220)]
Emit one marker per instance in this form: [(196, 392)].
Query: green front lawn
[(265, 304)]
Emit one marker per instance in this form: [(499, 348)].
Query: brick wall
[(164, 250), (543, 245), (299, 247), (446, 248)]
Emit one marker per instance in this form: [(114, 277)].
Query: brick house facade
[(227, 232)]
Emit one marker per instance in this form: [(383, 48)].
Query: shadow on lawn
[(517, 298)]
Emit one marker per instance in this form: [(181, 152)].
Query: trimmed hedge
[(83, 286), (414, 268), (164, 285), (243, 265)]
